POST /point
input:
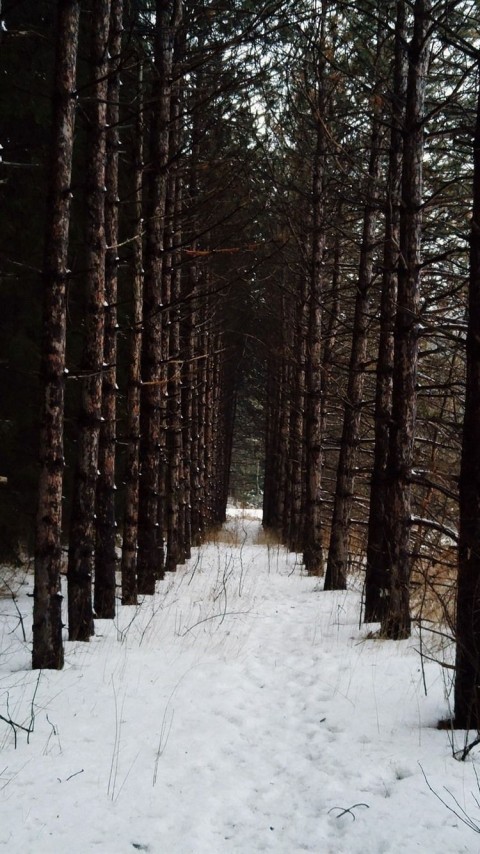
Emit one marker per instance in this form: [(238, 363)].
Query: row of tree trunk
[(311, 516), (178, 425), (345, 331)]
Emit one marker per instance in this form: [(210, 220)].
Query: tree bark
[(105, 554), (175, 551), (338, 553), (313, 552), (396, 618), (130, 520), (47, 597), (295, 531), (467, 665), (82, 527), (376, 579), (168, 15)]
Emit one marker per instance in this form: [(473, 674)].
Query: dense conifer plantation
[(249, 228)]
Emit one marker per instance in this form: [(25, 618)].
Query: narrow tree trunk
[(47, 598), (295, 532), (82, 527), (190, 404), (338, 553), (175, 552), (167, 20), (130, 521), (201, 415), (467, 665), (396, 618), (376, 579), (105, 555), (313, 553), (331, 323), (209, 423), (187, 392), (331, 329), (197, 423), (277, 437)]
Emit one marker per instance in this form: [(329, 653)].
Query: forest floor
[(240, 709)]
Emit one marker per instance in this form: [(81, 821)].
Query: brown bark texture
[(396, 617), (105, 554), (130, 519), (467, 664), (376, 579), (81, 550), (149, 559), (337, 563), (313, 549), (175, 546), (47, 601)]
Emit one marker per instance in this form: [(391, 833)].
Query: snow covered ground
[(241, 709)]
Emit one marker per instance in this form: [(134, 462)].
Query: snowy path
[(239, 710)]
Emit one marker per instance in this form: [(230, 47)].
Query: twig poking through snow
[(349, 810), (461, 815), (213, 617)]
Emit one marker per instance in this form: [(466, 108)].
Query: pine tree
[(47, 616), (81, 552)]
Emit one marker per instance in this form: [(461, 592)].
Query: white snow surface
[(240, 709)]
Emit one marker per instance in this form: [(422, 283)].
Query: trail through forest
[(240, 709)]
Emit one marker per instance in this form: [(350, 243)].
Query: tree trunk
[(313, 553), (105, 555), (168, 16), (467, 665), (130, 521), (82, 527), (376, 579), (338, 553), (175, 552), (396, 618), (47, 598), (295, 532)]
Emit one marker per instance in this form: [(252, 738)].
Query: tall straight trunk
[(217, 441), (187, 341), (396, 618), (313, 551), (190, 404), (223, 433), (295, 532), (277, 438), (47, 597), (168, 16), (82, 527), (268, 486), (130, 520), (376, 578), (202, 413), (163, 450), (331, 314), (467, 665), (284, 404), (105, 555), (175, 552), (337, 563), (280, 421), (190, 282), (291, 375), (229, 398), (209, 423), (331, 329), (186, 404), (198, 421)]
